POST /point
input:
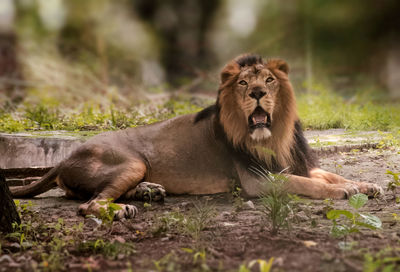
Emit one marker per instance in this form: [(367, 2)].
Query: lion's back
[(182, 154)]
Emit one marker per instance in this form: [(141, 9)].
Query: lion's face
[(256, 101), (256, 91)]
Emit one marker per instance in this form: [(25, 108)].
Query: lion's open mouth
[(259, 119)]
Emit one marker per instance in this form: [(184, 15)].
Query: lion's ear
[(230, 70), (278, 64)]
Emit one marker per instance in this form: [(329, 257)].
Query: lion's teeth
[(266, 119), (254, 120)]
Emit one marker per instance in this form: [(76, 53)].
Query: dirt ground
[(210, 233)]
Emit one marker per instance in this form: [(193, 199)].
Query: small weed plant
[(24, 208), (263, 265), (346, 222), (200, 216), (199, 258), (192, 224), (389, 140), (237, 200), (107, 211), (385, 260), (277, 204), (168, 263), (106, 248), (394, 184)]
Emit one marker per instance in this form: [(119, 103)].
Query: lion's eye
[(269, 79), (242, 82)]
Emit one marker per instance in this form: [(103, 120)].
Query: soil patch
[(209, 233)]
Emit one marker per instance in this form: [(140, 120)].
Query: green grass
[(318, 109), (34, 117), (322, 109)]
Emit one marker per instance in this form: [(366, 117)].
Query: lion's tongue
[(259, 118)]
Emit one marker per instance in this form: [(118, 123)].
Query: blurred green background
[(99, 60)]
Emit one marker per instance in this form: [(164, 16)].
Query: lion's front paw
[(126, 211), (342, 191), (95, 208), (370, 189), (147, 191)]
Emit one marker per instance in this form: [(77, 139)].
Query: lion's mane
[(285, 115)]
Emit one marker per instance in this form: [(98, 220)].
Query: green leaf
[(353, 230), (358, 200), (188, 250), (339, 231), (243, 268), (114, 207), (371, 221), (394, 175), (343, 245), (264, 266), (335, 214)]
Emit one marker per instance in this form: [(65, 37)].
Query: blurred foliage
[(91, 64)]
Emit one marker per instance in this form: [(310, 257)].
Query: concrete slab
[(45, 149), (32, 150)]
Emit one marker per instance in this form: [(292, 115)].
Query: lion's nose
[(257, 93)]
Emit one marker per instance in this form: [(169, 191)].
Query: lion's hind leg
[(369, 189), (127, 177)]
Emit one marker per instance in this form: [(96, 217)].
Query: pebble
[(301, 216), (249, 204), (6, 258), (119, 239), (13, 247), (225, 214), (140, 226), (92, 222)]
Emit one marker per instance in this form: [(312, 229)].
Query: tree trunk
[(10, 72), (8, 210)]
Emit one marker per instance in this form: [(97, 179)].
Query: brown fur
[(203, 153)]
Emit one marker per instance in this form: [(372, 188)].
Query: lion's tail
[(44, 184)]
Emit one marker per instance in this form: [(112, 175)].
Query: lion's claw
[(370, 189), (147, 191), (126, 211)]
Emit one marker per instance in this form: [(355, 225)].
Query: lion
[(252, 125)]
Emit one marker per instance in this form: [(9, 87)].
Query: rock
[(140, 226), (14, 247), (185, 204), (249, 204), (93, 222), (6, 259), (228, 224), (301, 216), (119, 239), (309, 243), (279, 261), (225, 214)]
